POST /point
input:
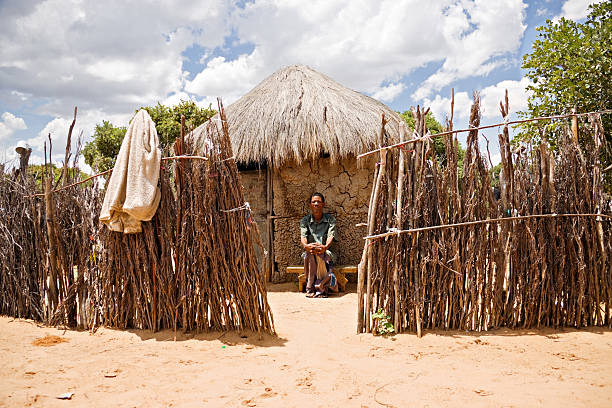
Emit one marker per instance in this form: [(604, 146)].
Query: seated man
[(317, 233)]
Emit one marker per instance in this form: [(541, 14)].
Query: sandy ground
[(316, 361)]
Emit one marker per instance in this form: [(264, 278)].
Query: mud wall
[(254, 189), (346, 188), (347, 192)]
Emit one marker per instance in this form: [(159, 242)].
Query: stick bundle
[(219, 283), (21, 261), (192, 267)]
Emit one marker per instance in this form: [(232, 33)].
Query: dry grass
[(193, 267), (525, 273), (298, 113), (49, 340)]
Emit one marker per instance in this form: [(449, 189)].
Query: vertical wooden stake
[(179, 150), (154, 328), (398, 225), (52, 235), (575, 126), (49, 216), (361, 268), (365, 273), (270, 221), (65, 179)]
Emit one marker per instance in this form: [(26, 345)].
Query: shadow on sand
[(293, 287), (548, 332), (230, 338)]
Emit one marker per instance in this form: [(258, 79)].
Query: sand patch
[(317, 360), (49, 340)]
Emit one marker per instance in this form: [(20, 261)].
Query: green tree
[(570, 66), (36, 172), (168, 119), (102, 151)]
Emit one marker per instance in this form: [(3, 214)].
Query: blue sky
[(111, 57)]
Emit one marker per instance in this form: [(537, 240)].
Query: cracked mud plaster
[(346, 187), (254, 189), (347, 192)]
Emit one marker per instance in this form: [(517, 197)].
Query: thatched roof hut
[(304, 130), (298, 113)]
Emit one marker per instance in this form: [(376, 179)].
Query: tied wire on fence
[(539, 255), (395, 231), (506, 122), (248, 213)]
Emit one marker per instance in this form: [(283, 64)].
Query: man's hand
[(310, 248), (315, 248), (319, 249)]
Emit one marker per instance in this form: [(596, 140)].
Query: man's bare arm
[(320, 248), (307, 247), (329, 242)]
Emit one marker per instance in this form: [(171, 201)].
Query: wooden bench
[(339, 271)]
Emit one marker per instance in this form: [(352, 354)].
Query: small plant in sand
[(382, 324)]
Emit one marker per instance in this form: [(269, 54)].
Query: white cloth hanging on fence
[(132, 194)]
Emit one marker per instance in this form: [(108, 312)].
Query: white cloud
[(84, 127), (441, 107), (228, 79), (477, 42), (20, 95), (367, 44), (576, 9), (175, 98), (491, 96), (58, 129), (9, 124), (110, 55), (388, 93), (496, 159)]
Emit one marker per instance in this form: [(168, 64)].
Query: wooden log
[(52, 238), (180, 184), (364, 268), (381, 174), (574, 125), (154, 272), (398, 225), (361, 267), (418, 186), (269, 267), (65, 178)]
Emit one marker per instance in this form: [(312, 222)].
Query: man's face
[(316, 204)]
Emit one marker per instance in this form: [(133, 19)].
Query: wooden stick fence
[(395, 231), (470, 129), (193, 266), (463, 259), (65, 187)]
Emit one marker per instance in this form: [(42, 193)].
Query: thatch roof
[(298, 113)]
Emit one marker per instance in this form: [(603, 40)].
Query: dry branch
[(464, 259), (192, 260), (490, 221), (470, 129)]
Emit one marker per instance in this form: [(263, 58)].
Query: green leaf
[(570, 66), (101, 152)]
